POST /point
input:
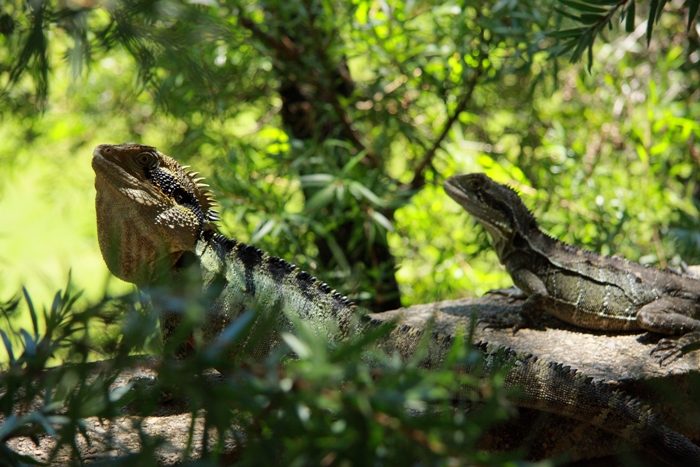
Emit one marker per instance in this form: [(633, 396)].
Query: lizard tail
[(559, 389)]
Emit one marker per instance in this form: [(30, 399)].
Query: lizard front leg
[(673, 316), (530, 286)]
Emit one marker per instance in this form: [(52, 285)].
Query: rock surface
[(673, 391)]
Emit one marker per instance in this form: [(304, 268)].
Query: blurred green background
[(327, 128)]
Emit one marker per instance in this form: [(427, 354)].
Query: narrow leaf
[(32, 311), (359, 189), (316, 180), (584, 7), (231, 334), (652, 15), (567, 14), (580, 47), (262, 231), (29, 343), (592, 19), (566, 33), (693, 6), (382, 220), (629, 20), (299, 347), (320, 199), (347, 168), (8, 345), (11, 424)]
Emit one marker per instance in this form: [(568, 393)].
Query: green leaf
[(567, 14), (298, 346), (316, 180), (321, 199), (592, 19), (29, 343), (650, 21), (11, 424), (629, 20), (567, 47), (359, 190), (382, 220), (262, 231), (32, 311), (566, 33), (584, 7), (8, 345), (693, 6), (231, 334), (353, 162)]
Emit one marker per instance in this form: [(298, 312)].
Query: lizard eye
[(474, 184), (146, 159)]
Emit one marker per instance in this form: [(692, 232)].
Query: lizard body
[(245, 277), (578, 286)]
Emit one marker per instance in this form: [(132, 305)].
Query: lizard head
[(497, 207), (150, 210)]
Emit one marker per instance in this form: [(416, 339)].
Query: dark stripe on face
[(497, 205), (250, 257)]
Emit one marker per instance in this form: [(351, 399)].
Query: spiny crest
[(203, 194), (523, 216)]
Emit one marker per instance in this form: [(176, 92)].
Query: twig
[(284, 46), (418, 178)]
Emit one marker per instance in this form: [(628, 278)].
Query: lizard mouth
[(475, 206)]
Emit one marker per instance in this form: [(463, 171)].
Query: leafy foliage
[(326, 128), (594, 17), (325, 405)]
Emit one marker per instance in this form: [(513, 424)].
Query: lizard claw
[(675, 348), (521, 323), (511, 293), (671, 351), (516, 322), (499, 322)]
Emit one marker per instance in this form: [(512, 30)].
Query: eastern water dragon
[(579, 286), (152, 213)]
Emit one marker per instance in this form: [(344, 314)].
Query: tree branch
[(418, 178)]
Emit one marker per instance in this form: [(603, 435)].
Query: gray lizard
[(578, 286)]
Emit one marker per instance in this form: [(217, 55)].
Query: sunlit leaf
[(321, 199), (382, 220), (358, 189)]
